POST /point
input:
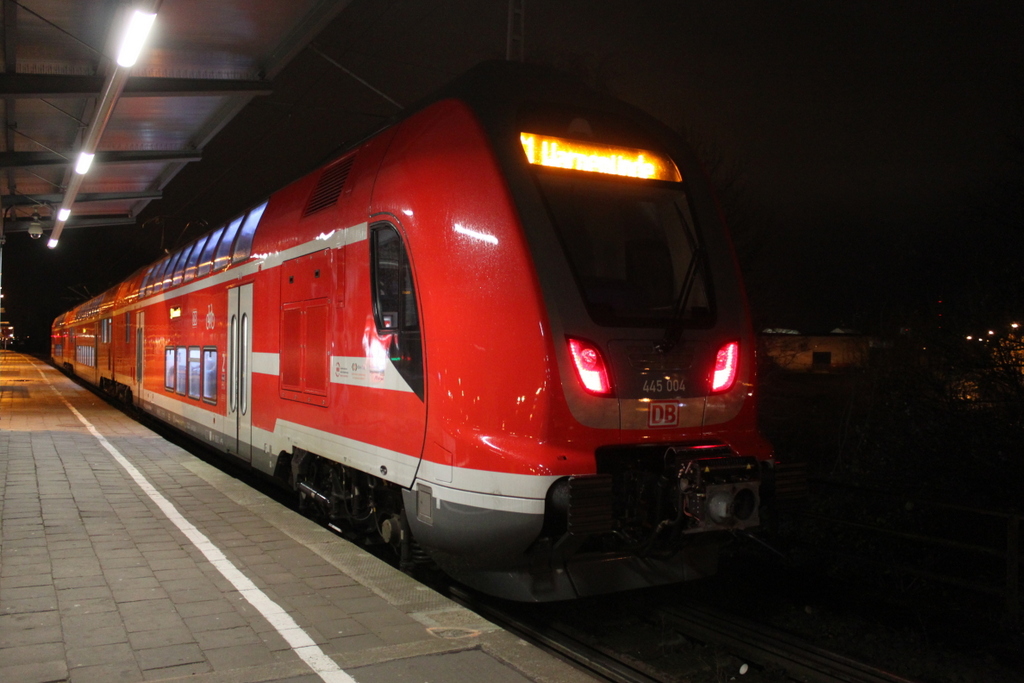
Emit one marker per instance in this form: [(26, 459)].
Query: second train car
[(506, 331)]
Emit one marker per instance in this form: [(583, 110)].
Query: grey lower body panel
[(496, 552)]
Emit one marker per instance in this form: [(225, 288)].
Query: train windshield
[(633, 249)]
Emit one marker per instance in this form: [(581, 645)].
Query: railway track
[(775, 655), (772, 648), (563, 641)]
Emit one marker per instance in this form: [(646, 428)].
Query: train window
[(210, 374), (634, 250), (195, 371), (232, 364), (193, 258), (243, 245), (388, 264), (206, 259), (156, 283), (223, 256), (179, 265), (181, 369), (85, 354), (169, 374), (106, 329), (147, 280), (168, 274), (394, 303), (243, 365), (138, 348)]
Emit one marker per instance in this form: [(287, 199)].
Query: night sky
[(870, 154)]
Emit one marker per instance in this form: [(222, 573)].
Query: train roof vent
[(329, 187)]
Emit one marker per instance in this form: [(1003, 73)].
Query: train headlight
[(728, 506), (731, 506)]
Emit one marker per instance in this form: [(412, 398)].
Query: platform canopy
[(64, 92)]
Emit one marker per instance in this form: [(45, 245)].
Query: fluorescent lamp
[(52, 243), (84, 162), (138, 29), (63, 215)]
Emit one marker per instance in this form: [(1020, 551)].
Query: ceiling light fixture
[(84, 162), (134, 38)]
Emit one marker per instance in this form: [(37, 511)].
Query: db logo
[(663, 414)]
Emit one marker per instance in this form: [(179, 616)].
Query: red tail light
[(726, 363), (590, 367)]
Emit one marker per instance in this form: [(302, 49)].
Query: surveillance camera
[(35, 226)]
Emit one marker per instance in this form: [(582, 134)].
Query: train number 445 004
[(662, 384)]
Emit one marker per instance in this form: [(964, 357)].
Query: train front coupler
[(719, 493)]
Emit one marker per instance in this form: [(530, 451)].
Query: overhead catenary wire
[(314, 48)]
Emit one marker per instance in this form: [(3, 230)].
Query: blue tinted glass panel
[(195, 371), (223, 257), (158, 275), (210, 375), (179, 266), (169, 373), (172, 265), (181, 369), (206, 260), (150, 272), (243, 245), (193, 258)]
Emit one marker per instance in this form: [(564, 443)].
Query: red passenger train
[(506, 331)]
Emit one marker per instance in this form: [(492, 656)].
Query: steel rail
[(582, 655), (767, 646)]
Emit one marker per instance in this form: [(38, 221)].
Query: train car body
[(507, 330)]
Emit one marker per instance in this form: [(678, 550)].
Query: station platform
[(124, 558)]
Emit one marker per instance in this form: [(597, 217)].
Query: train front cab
[(538, 481)]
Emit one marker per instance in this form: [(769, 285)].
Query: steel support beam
[(24, 159), (34, 199), (21, 223), (56, 86)]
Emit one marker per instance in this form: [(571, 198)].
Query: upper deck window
[(158, 275), (223, 256), (172, 267), (179, 265), (193, 258), (206, 259), (147, 280), (243, 245)]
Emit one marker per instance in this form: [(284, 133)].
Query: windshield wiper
[(674, 329)]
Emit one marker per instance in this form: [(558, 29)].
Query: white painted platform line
[(294, 635)]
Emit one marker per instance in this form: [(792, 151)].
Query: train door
[(238, 439), (397, 350), (140, 337)]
